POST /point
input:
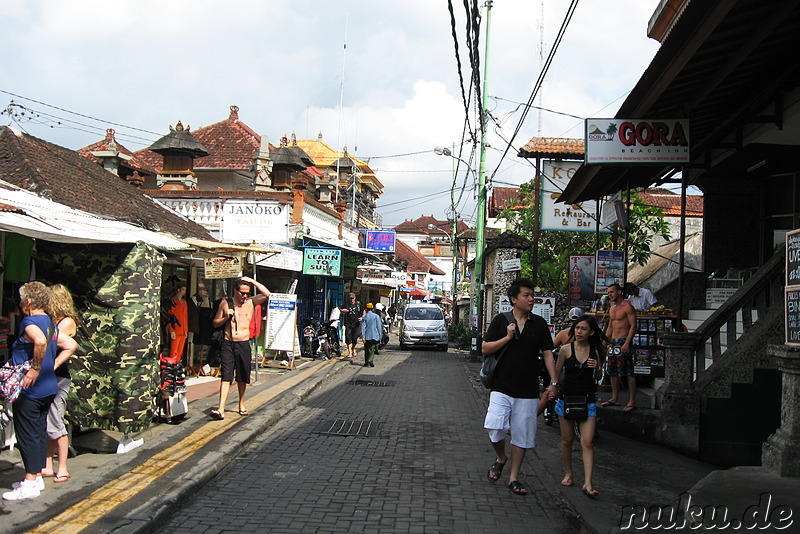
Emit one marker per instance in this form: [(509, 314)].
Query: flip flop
[(590, 493), (216, 415), (567, 482), (609, 403), (61, 478), (243, 412), (517, 488), (628, 409), (495, 471)]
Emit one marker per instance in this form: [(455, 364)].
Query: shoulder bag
[(490, 360), (11, 375)]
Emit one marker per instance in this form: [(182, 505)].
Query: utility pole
[(480, 229)]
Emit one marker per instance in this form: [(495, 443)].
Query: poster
[(322, 261), (609, 269), (219, 267), (581, 281), (281, 322), (546, 307)]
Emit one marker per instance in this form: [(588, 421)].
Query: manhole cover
[(348, 427), (373, 382)]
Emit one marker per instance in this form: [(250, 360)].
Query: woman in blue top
[(38, 342)]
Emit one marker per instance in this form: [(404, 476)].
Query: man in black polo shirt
[(513, 401)]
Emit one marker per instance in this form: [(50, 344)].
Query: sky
[(378, 77)]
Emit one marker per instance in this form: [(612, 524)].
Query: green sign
[(322, 261)]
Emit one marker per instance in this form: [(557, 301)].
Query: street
[(415, 461)]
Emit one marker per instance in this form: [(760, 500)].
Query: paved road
[(417, 465)]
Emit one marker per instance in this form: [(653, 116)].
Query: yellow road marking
[(105, 499)]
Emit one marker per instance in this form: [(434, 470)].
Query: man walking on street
[(372, 331), (621, 328), (235, 352), (351, 316), (513, 401)]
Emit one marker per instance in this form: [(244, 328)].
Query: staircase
[(721, 396)]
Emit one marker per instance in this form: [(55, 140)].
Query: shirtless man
[(621, 328), (235, 352)]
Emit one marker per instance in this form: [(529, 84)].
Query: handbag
[(575, 407), (11, 380), (490, 360)]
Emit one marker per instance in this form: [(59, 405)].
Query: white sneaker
[(26, 490), (39, 483)]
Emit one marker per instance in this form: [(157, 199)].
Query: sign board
[(504, 305), (638, 141), (260, 221), (397, 278), (281, 329), (793, 317), (288, 260), (223, 267), (379, 240), (512, 265), (581, 281), (579, 217), (322, 261), (609, 269), (793, 258), (546, 307)]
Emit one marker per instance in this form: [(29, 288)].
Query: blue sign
[(379, 240)]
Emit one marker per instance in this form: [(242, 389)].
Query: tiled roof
[(671, 203), (553, 147), (65, 176), (420, 226), (416, 261), (325, 157), (503, 197), (135, 163), (231, 144)]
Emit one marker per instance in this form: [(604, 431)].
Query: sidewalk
[(98, 462)]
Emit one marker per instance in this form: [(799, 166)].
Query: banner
[(581, 281), (248, 221), (322, 261), (281, 328), (578, 217), (222, 267), (609, 269), (379, 240), (637, 141)]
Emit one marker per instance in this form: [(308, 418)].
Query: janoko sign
[(639, 141)]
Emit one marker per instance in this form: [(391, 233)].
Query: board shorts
[(619, 363), (235, 359), (509, 415)]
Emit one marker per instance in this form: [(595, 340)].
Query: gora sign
[(641, 141)]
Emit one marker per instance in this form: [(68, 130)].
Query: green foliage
[(459, 335), (555, 247)]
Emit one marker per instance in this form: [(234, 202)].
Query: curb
[(159, 508)]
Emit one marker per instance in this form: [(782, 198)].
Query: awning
[(27, 214), (217, 247), (309, 241)]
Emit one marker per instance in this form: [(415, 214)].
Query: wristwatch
[(36, 367), (556, 384)]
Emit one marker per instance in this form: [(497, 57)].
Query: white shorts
[(508, 415)]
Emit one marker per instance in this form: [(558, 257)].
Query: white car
[(423, 324)]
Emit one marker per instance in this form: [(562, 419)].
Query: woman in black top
[(580, 361)]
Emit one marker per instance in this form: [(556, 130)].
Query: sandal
[(517, 488), (495, 471), (244, 412), (628, 408), (590, 492), (61, 478), (609, 403), (216, 415), (567, 481)]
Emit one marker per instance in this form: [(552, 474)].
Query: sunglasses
[(243, 293)]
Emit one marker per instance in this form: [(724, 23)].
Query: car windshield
[(424, 314)]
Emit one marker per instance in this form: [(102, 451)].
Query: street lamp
[(480, 233)]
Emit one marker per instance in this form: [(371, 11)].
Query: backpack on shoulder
[(490, 360)]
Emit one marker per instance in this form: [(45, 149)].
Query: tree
[(555, 247)]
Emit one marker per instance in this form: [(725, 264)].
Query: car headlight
[(408, 328)]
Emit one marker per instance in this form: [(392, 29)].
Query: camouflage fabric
[(115, 375)]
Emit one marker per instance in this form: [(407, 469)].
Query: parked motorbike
[(328, 341), (310, 343), (384, 335)]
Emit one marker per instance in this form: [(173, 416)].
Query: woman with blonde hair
[(62, 312), (37, 345)]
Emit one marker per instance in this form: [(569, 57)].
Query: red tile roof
[(671, 203), (553, 147), (60, 174), (231, 145), (135, 163), (420, 226), (503, 197), (416, 261)]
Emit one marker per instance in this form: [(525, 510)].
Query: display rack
[(648, 352)]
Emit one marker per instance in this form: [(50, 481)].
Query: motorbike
[(384, 335), (310, 343), (328, 341)]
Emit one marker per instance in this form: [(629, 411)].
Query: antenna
[(341, 109), (541, 62)]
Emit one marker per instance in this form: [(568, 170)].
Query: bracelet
[(36, 368)]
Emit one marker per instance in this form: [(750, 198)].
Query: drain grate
[(348, 427), (373, 382)]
